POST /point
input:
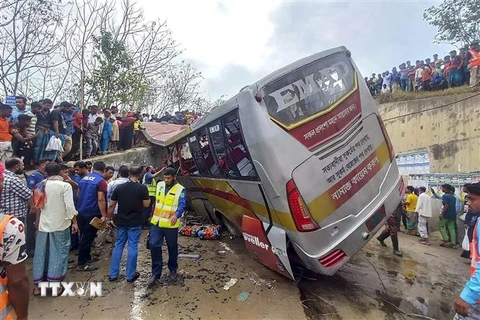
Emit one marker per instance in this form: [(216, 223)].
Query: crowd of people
[(454, 70), (415, 212), (77, 206), (44, 131)]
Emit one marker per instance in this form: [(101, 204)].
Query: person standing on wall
[(171, 202)]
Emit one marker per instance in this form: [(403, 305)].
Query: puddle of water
[(410, 263)]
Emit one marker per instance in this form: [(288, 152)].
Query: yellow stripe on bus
[(324, 205), (235, 211)]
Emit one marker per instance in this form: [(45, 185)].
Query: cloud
[(380, 35), (230, 80), (222, 7), (235, 43)]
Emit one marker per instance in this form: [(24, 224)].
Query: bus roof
[(215, 113)]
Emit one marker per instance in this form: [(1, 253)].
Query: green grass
[(408, 95)]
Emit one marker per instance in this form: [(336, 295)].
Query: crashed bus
[(299, 164)]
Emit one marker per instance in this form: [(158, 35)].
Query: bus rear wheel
[(232, 228)]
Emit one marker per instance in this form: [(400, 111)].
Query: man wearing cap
[(171, 202), (467, 305)]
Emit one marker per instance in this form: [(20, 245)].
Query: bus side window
[(217, 138), (172, 157), (238, 159), (187, 164), (198, 155), (211, 167)]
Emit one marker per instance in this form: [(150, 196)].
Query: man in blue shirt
[(448, 216), (37, 176), (467, 305), (91, 203)]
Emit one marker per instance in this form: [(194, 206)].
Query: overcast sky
[(236, 42)]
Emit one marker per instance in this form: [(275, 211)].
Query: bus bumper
[(332, 258)]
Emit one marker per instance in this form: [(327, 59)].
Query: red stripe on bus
[(346, 188), (224, 195), (326, 127)]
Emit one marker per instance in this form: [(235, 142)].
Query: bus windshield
[(310, 89)]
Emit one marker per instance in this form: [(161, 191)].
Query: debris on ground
[(243, 296), (261, 282), (201, 231), (189, 256), (230, 284)]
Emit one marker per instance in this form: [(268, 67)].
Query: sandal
[(36, 293), (87, 267)]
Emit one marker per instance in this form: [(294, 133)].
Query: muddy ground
[(373, 285)]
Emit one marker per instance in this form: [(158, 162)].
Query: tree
[(111, 78), (457, 21), (29, 36)]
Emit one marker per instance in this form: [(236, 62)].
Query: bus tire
[(198, 207), (232, 228), (214, 217)]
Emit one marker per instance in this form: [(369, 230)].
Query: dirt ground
[(375, 284)]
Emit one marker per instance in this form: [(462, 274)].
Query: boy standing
[(91, 137)]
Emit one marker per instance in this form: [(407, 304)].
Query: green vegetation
[(457, 22), (408, 95)]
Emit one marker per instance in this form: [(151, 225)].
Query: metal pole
[(82, 101)]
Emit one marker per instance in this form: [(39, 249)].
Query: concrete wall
[(151, 156), (448, 127)]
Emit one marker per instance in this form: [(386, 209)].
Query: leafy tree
[(113, 80), (457, 21)]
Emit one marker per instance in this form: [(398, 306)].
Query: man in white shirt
[(418, 77), (387, 80), (54, 198), (424, 211)]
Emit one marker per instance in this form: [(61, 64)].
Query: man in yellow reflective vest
[(170, 203), (149, 181)]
